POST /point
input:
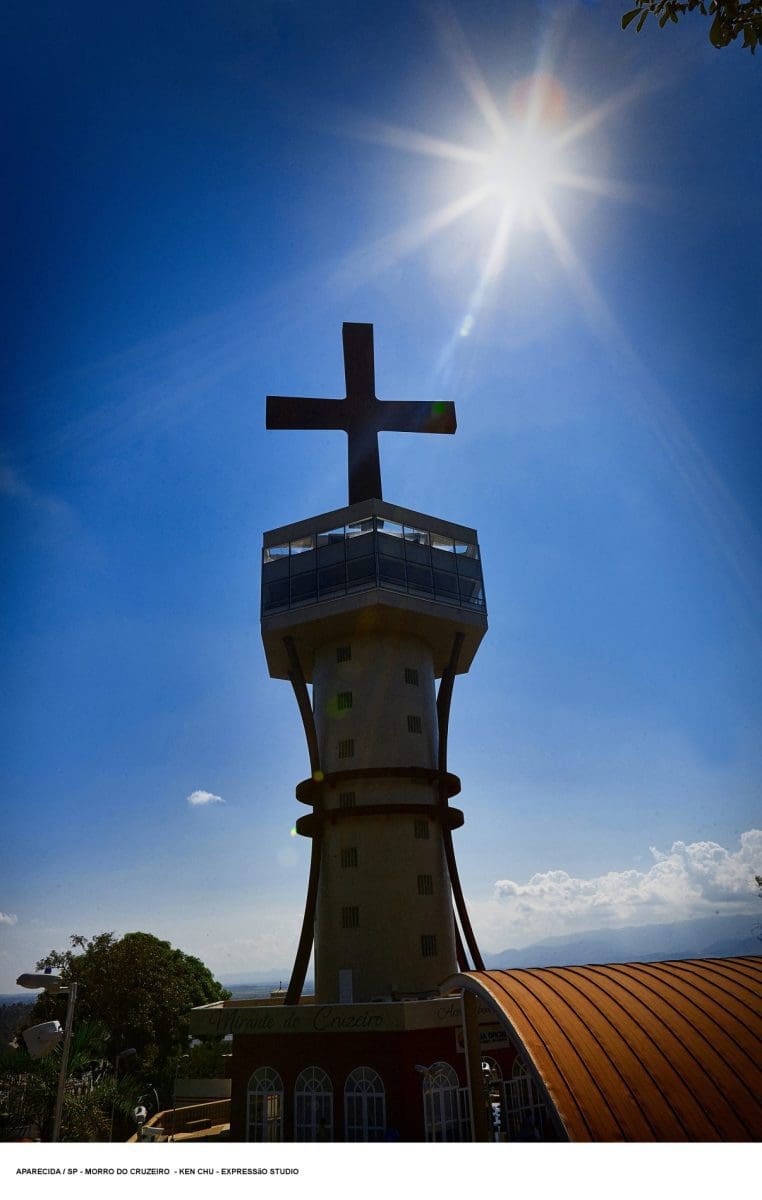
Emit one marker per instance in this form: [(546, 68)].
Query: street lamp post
[(64, 1061), (52, 983)]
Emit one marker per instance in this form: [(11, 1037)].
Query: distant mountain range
[(703, 937)]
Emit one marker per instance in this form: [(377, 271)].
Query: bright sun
[(520, 174), (513, 182), (525, 157)]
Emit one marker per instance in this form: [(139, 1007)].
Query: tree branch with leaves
[(730, 18)]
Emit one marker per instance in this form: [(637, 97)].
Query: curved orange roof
[(666, 1051)]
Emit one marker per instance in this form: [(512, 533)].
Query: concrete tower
[(372, 604)]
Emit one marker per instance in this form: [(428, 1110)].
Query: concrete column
[(384, 909), (481, 1116)]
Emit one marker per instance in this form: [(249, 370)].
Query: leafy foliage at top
[(140, 989), (730, 18)]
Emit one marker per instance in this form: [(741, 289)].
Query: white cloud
[(695, 880), (8, 918), (197, 798)]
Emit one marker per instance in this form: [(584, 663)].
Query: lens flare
[(538, 99)]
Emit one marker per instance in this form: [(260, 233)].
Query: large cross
[(361, 414)]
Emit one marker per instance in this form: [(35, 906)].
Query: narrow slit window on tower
[(350, 917), (421, 828), (343, 700), (425, 885), (347, 748), (411, 676), (414, 724), (347, 799), (343, 653), (349, 856), (428, 945)]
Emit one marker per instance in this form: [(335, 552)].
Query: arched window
[(364, 1106), (525, 1111), (264, 1107), (445, 1105), (313, 1106)]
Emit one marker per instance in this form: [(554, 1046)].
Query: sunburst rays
[(513, 180), (516, 180)]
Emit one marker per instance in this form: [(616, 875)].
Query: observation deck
[(403, 570)]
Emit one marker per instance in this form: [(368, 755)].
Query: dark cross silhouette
[(361, 414)]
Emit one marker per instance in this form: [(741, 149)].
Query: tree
[(730, 18), (141, 990), (12, 1017)]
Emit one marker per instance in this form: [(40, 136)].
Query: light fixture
[(51, 983), (41, 1039)]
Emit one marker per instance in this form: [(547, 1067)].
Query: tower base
[(396, 1071)]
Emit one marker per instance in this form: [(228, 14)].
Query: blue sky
[(198, 196)]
